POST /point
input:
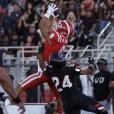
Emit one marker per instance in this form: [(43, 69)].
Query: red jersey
[(58, 42)]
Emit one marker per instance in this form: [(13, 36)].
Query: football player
[(39, 77), (55, 41), (65, 78)]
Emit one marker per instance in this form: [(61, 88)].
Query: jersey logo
[(66, 83), (99, 80), (52, 35)]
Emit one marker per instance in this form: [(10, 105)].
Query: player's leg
[(31, 81), (75, 111), (69, 106), (88, 104)]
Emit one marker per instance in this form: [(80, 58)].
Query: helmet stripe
[(67, 28)]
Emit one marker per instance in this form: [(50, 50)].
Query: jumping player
[(55, 40), (6, 83), (66, 82)]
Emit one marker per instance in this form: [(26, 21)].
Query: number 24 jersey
[(65, 79)]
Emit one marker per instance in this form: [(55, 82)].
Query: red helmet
[(66, 28)]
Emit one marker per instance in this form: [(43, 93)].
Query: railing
[(86, 48), (20, 63), (21, 51), (104, 35), (101, 39), (19, 67), (108, 47)]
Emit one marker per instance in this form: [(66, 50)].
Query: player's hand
[(51, 10), (91, 69), (91, 60), (18, 102), (21, 107)]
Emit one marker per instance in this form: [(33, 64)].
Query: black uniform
[(67, 82), (101, 85)]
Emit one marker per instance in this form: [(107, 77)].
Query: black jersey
[(1, 57), (66, 80), (101, 85)]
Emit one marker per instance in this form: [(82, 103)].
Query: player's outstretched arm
[(45, 26), (6, 83), (47, 21), (91, 67), (31, 81), (87, 71), (42, 64), (19, 89)]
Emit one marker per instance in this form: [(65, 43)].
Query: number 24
[(66, 82)]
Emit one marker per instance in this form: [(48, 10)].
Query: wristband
[(17, 100)]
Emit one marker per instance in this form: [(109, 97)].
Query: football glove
[(91, 60), (51, 10)]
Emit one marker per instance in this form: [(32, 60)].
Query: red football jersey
[(58, 43)]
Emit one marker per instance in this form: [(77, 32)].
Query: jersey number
[(66, 82)]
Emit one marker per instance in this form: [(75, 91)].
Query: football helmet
[(66, 28), (57, 60)]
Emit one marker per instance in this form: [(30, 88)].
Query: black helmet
[(57, 60), (102, 61)]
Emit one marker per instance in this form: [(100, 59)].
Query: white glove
[(51, 9)]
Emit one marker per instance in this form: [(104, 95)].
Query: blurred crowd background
[(19, 20)]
